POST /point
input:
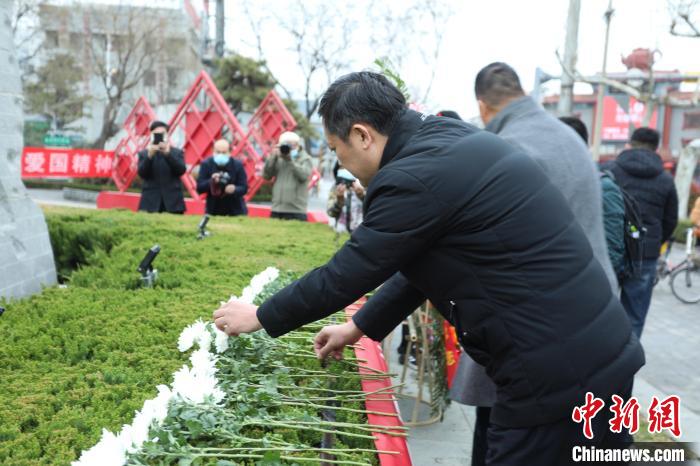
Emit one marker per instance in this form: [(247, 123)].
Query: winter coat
[(641, 173), (289, 193), (460, 217), (161, 180), (565, 159), (223, 204), (614, 222)]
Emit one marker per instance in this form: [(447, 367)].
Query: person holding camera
[(291, 167), (160, 167), (345, 201), (223, 179)]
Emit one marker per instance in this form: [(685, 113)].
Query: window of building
[(51, 39), (691, 120), (99, 41), (76, 41)]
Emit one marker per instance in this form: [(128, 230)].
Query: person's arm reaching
[(402, 219)]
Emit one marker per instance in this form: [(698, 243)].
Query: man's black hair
[(577, 125), (449, 114), (361, 97), (158, 124), (497, 83), (645, 138)]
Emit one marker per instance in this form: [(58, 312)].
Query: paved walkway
[(55, 197)]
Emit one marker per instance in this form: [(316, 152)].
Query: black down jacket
[(460, 217), (641, 173)]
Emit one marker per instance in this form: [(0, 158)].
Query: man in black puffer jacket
[(458, 216), (640, 172)]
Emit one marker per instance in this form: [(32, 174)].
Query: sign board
[(42, 162), (57, 140), (617, 119)]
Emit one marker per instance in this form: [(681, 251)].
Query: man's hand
[(164, 148), (359, 190), (230, 189), (216, 177), (236, 317), (152, 149), (333, 338), (340, 193)]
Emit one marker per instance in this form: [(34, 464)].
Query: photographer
[(161, 166), (291, 167), (224, 180), (345, 201)]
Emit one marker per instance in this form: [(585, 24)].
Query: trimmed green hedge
[(81, 358)]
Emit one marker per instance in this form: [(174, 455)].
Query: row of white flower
[(197, 384)]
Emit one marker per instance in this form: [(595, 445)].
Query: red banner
[(617, 120), (43, 162)]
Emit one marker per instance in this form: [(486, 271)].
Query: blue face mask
[(221, 159), (294, 153)]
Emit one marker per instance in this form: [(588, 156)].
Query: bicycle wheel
[(685, 283)]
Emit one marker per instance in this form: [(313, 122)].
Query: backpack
[(634, 233)]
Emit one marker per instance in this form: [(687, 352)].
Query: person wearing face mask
[(290, 166), (223, 179)]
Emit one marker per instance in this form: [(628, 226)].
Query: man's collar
[(404, 129), (513, 110)]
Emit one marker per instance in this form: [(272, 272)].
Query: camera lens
[(285, 149)]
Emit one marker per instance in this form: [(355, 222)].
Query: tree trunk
[(684, 175), (108, 117)]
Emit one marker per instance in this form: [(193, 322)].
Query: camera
[(285, 149), (224, 179), (345, 177), (157, 138)]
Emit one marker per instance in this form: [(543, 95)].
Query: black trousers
[(546, 444), (288, 216)]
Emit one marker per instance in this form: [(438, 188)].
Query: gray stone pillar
[(26, 258)]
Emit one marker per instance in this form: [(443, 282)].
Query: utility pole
[(219, 48), (601, 87), (566, 95)]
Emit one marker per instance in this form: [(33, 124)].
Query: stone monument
[(26, 258)]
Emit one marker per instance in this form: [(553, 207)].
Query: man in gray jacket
[(508, 112), (291, 167)]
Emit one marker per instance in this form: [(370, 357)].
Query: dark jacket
[(641, 173), (161, 181), (458, 216), (614, 222), (224, 204)]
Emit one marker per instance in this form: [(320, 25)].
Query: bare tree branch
[(681, 12)]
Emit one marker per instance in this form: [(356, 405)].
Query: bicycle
[(685, 276)]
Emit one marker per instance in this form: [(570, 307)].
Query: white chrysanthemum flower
[(190, 335), (220, 340), (196, 388), (109, 451)]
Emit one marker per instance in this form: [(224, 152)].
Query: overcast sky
[(524, 34)]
